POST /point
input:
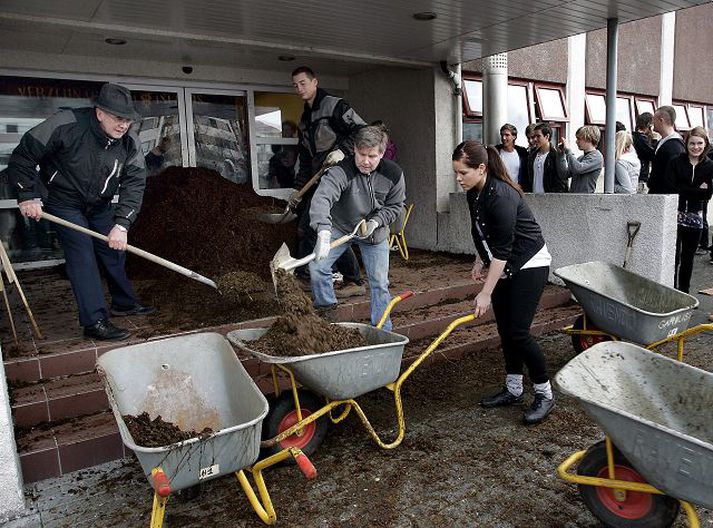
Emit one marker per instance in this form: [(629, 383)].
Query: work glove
[(294, 200), (368, 229), (334, 157), (321, 248)]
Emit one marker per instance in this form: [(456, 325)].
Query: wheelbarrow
[(298, 417), (658, 451), (194, 381), (619, 304)]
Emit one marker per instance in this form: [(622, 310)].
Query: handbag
[(691, 220)]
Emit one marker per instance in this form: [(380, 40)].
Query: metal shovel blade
[(281, 258), (277, 218)]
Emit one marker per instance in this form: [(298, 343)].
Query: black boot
[(539, 409), (103, 330), (501, 399), (137, 309)]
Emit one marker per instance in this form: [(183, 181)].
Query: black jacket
[(660, 181), (79, 165), (329, 124), (522, 153), (645, 148), (553, 182), (502, 225), (691, 198)]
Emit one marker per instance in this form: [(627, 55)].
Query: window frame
[(683, 105), (467, 108), (643, 99), (537, 86)]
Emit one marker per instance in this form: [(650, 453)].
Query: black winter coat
[(553, 182), (688, 180), (660, 180)]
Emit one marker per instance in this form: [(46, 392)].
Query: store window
[(159, 130), (276, 130), (220, 134), (682, 122)]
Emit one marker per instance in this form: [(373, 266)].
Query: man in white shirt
[(514, 156)]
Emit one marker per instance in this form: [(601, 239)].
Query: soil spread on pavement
[(157, 432), (300, 331)]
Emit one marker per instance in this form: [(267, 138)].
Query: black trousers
[(686, 245), (514, 303), (86, 258)]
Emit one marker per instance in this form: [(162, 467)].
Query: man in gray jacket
[(584, 170), (362, 186)]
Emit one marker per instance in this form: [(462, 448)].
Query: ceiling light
[(115, 41), (286, 58), (425, 15)]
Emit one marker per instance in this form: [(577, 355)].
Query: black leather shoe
[(105, 331), (135, 310), (539, 409), (501, 399)]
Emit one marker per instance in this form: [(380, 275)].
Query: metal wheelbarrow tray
[(656, 411), (628, 305), (340, 374), (194, 381)]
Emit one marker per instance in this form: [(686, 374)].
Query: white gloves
[(294, 200), (334, 157), (369, 228), (321, 248)]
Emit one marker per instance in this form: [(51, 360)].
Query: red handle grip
[(306, 466), (405, 295), (160, 483)]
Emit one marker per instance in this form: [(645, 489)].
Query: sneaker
[(137, 309), (103, 330), (539, 409), (349, 289), (337, 277), (501, 399)]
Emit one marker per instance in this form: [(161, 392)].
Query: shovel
[(284, 261), (288, 215), (136, 251), (632, 228)]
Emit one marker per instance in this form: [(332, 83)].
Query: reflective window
[(159, 129), (473, 130), (220, 135), (518, 111), (643, 105), (681, 117), (623, 111), (473, 97), (695, 115), (276, 132), (551, 103), (596, 108)]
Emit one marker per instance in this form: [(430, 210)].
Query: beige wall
[(542, 62), (693, 64), (639, 55)]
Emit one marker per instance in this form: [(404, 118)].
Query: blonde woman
[(628, 166)]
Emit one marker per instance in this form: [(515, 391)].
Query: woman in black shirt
[(512, 262)]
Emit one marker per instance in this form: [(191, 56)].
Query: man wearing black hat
[(85, 156)]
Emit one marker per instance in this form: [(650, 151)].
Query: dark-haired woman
[(513, 263), (691, 173)]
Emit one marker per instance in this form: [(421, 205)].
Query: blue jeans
[(376, 263)]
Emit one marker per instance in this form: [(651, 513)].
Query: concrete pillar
[(576, 82), (610, 127), (668, 40), (12, 499), (495, 94)]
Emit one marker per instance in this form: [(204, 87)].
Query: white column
[(576, 83), (668, 40), (12, 499), (495, 94)]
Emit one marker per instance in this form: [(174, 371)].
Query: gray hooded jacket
[(345, 196)]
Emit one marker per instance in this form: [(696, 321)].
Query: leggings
[(686, 245)]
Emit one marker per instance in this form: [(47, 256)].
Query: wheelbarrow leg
[(162, 491)]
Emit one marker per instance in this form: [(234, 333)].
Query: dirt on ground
[(158, 432)]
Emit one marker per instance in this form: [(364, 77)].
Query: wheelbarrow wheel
[(581, 342), (638, 510), (283, 415)]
